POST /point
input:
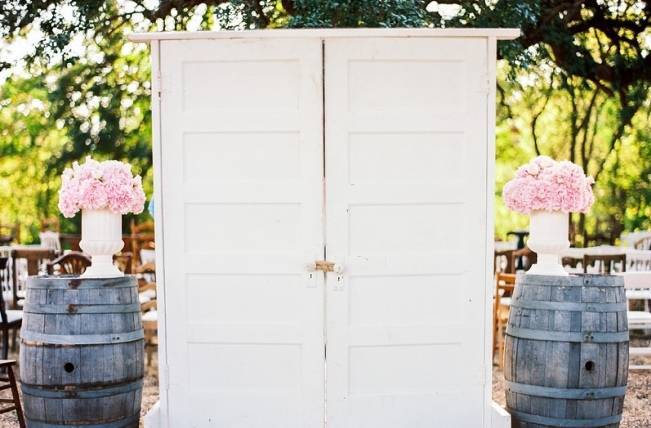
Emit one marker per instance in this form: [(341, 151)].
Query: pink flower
[(544, 184), (99, 185), (532, 169)]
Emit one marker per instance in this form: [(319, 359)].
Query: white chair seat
[(639, 319), (150, 316), (638, 294), (14, 315), (143, 298), (149, 293)]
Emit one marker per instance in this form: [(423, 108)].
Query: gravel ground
[(637, 405)]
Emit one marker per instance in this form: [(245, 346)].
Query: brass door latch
[(326, 266)]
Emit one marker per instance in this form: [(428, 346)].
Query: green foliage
[(358, 13), (28, 139), (574, 86), (544, 112)]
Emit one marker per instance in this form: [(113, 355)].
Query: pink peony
[(97, 185), (547, 185)]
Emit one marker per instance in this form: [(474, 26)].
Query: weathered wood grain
[(566, 351), (81, 354)]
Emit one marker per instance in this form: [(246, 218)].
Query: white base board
[(152, 418), (500, 418)]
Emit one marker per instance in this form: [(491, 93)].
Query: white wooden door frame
[(160, 144)]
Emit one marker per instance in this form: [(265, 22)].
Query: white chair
[(638, 287), (50, 240)]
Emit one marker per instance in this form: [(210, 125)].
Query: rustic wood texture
[(575, 373), (81, 355)]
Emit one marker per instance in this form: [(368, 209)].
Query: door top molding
[(497, 33)]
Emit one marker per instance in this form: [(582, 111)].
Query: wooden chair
[(504, 286), (572, 263), (70, 241), (643, 243), (5, 280), (606, 263), (146, 275), (72, 263), (124, 262), (638, 287), (9, 233), (10, 319), (503, 262), (147, 296), (9, 382), (150, 327), (50, 224), (35, 257), (142, 237), (528, 258)]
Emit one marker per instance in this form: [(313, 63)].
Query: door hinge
[(157, 84)]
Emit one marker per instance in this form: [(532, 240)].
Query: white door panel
[(405, 215), (242, 150)]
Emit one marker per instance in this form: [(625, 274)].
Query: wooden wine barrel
[(566, 351), (81, 353)]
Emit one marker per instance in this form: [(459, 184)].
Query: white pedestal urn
[(103, 192), (547, 190), (548, 237), (101, 238)]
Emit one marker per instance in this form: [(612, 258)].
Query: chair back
[(503, 262), (34, 259), (50, 224), (70, 241), (146, 273), (529, 258), (643, 243), (606, 263), (504, 284), (124, 262), (9, 233), (50, 240), (5, 284), (142, 237), (72, 263)]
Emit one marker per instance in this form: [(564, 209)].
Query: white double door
[(370, 153)]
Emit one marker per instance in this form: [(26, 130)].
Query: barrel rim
[(572, 280), (115, 423), (74, 282), (563, 422)]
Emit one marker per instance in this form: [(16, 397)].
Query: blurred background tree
[(574, 86)]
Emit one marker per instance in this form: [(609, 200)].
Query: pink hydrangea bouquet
[(97, 185), (547, 185)]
